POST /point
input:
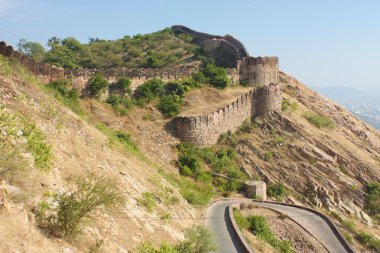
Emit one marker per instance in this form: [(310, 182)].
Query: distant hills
[(365, 104)]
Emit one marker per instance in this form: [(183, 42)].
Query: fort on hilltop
[(261, 73)]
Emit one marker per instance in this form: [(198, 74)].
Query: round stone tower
[(268, 99)]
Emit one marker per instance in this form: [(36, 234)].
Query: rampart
[(204, 130), (234, 43), (47, 72)]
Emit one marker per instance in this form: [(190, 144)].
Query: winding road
[(218, 221)]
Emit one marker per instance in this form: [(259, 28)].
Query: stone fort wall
[(47, 72), (204, 130)]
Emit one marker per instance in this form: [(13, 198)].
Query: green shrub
[(268, 155), (286, 104), (319, 121), (36, 144), (71, 210), (228, 138), (148, 91), (373, 199), (17, 127), (277, 190), (216, 76), (189, 165), (369, 241), (97, 84), (169, 105), (198, 239), (247, 126), (126, 140), (123, 83), (67, 94), (242, 222), (148, 201), (196, 193), (259, 227)]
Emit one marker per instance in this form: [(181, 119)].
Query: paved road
[(218, 221)]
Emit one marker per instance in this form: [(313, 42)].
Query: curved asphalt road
[(218, 221)]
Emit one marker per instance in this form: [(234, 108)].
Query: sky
[(321, 42)]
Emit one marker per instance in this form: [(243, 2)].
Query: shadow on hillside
[(170, 127)]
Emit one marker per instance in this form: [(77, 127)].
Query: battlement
[(204, 130), (259, 71)]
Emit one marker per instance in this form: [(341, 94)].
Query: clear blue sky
[(320, 42)]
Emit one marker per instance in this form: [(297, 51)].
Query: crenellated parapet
[(204, 130), (259, 71)]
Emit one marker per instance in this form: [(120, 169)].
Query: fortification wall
[(47, 72), (237, 46), (259, 71), (204, 130)]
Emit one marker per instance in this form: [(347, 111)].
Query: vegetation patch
[(196, 193), (65, 93), (373, 199), (148, 201), (155, 50), (18, 132), (65, 214), (198, 239), (212, 74), (97, 85), (277, 190), (196, 163), (319, 121), (258, 226), (287, 105)]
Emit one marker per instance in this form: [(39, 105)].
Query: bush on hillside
[(123, 83), (148, 91), (170, 105), (373, 198), (71, 210), (67, 94), (97, 85), (277, 190), (319, 121)]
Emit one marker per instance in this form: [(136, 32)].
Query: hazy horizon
[(320, 43)]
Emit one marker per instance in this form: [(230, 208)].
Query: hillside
[(79, 146), (159, 49), (312, 152)]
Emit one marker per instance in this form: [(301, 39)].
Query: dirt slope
[(78, 147)]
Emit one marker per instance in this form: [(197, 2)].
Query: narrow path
[(218, 221)]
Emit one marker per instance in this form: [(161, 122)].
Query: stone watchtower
[(259, 71)]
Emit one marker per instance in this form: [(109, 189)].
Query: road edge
[(329, 222), (237, 231)]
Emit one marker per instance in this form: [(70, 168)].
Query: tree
[(32, 49), (61, 57), (97, 85), (72, 44)]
